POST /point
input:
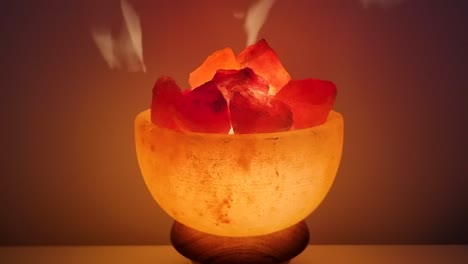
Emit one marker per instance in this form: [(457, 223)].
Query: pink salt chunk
[(221, 59), (310, 100), (166, 94), (261, 58), (203, 109), (229, 81), (253, 112)]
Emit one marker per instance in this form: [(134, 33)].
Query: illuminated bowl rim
[(333, 116)]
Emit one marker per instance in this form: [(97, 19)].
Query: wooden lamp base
[(275, 248)]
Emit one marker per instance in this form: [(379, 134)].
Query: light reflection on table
[(314, 254)]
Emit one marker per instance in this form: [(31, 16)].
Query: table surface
[(314, 254)]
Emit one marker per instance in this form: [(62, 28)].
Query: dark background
[(69, 173)]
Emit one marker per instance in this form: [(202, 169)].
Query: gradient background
[(69, 173)]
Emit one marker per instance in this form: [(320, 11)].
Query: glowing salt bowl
[(243, 184)]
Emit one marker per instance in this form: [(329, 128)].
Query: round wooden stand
[(274, 248)]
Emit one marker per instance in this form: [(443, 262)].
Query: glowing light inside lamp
[(242, 184), (269, 174)]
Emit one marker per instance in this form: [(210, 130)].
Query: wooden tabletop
[(314, 254)]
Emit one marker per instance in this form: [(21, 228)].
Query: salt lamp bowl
[(243, 184)]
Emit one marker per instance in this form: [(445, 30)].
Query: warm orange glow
[(262, 59), (243, 184), (259, 57), (221, 59)]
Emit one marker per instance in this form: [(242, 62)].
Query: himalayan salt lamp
[(242, 185), (242, 197)]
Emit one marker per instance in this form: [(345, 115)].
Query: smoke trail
[(258, 12), (125, 50), (255, 18)]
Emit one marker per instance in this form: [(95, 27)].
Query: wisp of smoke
[(255, 18), (125, 50), (257, 14)]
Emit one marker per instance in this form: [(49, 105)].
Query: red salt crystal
[(310, 100), (166, 94), (229, 81), (203, 109), (254, 112), (221, 59), (264, 61)]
